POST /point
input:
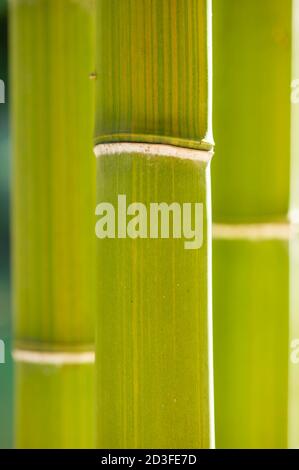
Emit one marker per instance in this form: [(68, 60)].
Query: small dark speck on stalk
[(93, 76)]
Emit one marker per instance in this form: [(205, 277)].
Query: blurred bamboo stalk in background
[(154, 361), (255, 241), (293, 416), (51, 45)]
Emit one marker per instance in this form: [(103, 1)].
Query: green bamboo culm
[(255, 246), (154, 372), (51, 45), (251, 356), (254, 137), (152, 62)]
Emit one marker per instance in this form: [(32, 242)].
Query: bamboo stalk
[(251, 342), (63, 399), (293, 375), (154, 373), (252, 76), (53, 197), (293, 404), (253, 275)]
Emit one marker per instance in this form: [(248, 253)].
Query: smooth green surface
[(53, 172), (51, 44), (251, 109), (152, 72), (153, 382), (251, 283), (54, 406)]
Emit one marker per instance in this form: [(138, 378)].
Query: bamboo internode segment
[(53, 170), (153, 72), (251, 307), (54, 405), (251, 110), (154, 359)]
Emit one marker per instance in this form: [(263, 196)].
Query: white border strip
[(160, 150), (53, 358), (268, 231)]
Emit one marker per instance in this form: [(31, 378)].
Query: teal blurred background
[(5, 303)]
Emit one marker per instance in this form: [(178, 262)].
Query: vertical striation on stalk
[(154, 361), (51, 43)]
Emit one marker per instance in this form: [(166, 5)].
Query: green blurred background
[(5, 303)]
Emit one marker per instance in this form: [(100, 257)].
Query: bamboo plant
[(254, 267), (153, 144), (51, 45)]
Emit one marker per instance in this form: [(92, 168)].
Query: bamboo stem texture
[(53, 198), (154, 362)]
